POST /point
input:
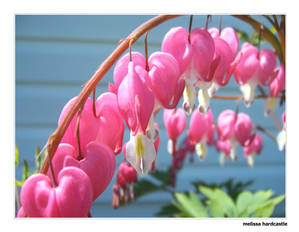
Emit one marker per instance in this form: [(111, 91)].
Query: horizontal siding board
[(107, 26)]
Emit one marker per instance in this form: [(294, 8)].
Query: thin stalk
[(77, 129), (207, 21), (277, 125), (57, 135), (257, 127), (190, 27), (220, 24), (237, 97), (54, 183), (146, 52)]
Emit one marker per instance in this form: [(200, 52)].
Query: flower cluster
[(83, 165), (203, 59), (123, 190)]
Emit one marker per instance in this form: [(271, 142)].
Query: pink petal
[(176, 43)]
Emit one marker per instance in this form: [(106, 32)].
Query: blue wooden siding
[(55, 55)]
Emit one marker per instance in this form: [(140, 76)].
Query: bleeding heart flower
[(253, 148), (111, 125), (199, 131), (195, 55), (140, 153), (254, 68), (98, 163), (107, 127), (224, 147), (71, 198), (235, 128), (277, 85), (164, 76), (121, 69), (229, 35), (175, 123), (136, 104), (88, 129), (135, 101)]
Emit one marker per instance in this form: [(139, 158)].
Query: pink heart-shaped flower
[(71, 198), (98, 163)]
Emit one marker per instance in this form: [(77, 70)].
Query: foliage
[(212, 201)]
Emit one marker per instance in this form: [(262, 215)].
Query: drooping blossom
[(111, 125), (254, 68), (121, 69), (199, 132), (253, 148), (276, 86), (98, 162), (72, 197), (105, 127), (136, 104), (175, 123), (161, 76), (195, 55), (224, 147), (226, 47), (234, 127)]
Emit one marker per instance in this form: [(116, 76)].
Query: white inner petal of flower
[(222, 158), (233, 151), (170, 146), (248, 91), (151, 131), (204, 100), (250, 160), (270, 105), (140, 153), (281, 140), (201, 150), (189, 97), (213, 89)]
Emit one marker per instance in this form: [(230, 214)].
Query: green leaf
[(182, 211), (191, 204), (244, 199), (266, 209), (19, 183), (38, 159), (144, 187), (207, 192), (16, 156), (26, 171), (215, 209), (217, 196), (259, 198)]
